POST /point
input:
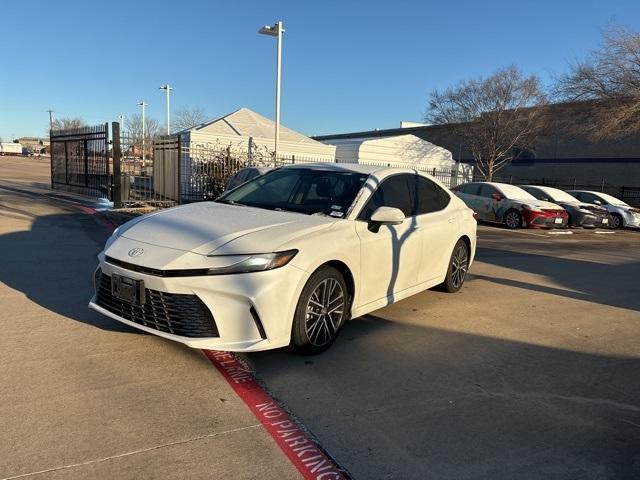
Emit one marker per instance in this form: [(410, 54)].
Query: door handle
[(452, 219)]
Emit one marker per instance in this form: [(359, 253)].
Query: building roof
[(247, 123)]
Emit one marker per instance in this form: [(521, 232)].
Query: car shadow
[(53, 262), (613, 284), (393, 400)]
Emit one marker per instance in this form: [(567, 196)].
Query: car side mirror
[(388, 216), (497, 197), (597, 202)]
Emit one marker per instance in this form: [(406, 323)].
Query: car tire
[(512, 219), (322, 309), (457, 268), (616, 221)]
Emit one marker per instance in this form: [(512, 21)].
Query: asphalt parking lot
[(532, 371)]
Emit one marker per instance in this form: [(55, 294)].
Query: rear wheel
[(513, 219), (616, 221), (321, 311), (457, 270)]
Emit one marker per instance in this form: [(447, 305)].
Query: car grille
[(178, 314)]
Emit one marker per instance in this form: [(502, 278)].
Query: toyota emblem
[(136, 252)]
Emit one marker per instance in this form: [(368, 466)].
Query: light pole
[(143, 105), (50, 119), (167, 88), (276, 31)]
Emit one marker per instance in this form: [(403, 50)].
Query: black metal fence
[(174, 172), (80, 160)]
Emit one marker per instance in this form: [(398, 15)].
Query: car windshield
[(558, 195), (302, 190), (612, 200), (511, 191)]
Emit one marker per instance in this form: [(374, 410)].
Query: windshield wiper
[(228, 202)]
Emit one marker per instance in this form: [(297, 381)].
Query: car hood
[(210, 227), (584, 206), (538, 203)]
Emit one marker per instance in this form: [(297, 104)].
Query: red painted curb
[(303, 452)]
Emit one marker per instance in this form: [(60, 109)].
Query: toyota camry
[(285, 258), (510, 205)]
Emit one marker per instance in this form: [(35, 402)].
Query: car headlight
[(585, 211), (531, 208), (258, 262)]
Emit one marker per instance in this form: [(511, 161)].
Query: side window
[(589, 198), (429, 196), (393, 192), (487, 190), (471, 188), (539, 194)]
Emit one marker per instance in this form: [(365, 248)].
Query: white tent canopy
[(249, 131), (405, 150)]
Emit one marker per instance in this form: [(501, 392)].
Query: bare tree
[(65, 123), (496, 117), (133, 132), (187, 117), (609, 83)]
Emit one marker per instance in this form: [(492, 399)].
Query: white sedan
[(286, 258)]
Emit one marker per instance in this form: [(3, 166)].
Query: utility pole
[(167, 88), (143, 105)]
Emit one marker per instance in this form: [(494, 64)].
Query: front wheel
[(321, 311), (616, 221), (457, 270), (513, 219)]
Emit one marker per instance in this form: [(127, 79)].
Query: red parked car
[(510, 205)]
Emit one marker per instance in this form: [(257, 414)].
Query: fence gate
[(166, 168), (80, 160)]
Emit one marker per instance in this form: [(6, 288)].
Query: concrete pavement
[(531, 372), (82, 396)]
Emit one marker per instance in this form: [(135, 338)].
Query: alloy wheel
[(459, 266), (325, 311), (513, 220), (615, 221)]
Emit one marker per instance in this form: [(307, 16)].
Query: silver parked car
[(622, 214)]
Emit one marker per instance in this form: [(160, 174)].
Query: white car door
[(439, 226), (389, 254)]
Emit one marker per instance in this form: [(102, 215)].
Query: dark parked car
[(581, 214), (244, 175)]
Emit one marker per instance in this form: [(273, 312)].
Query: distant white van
[(10, 148)]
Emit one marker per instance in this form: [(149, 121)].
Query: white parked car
[(285, 258), (622, 214)]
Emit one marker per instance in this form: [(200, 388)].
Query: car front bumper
[(632, 220), (591, 220), (249, 311), (544, 219)]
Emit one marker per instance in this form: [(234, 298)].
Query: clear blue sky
[(347, 66)]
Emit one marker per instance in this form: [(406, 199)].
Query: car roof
[(585, 191)]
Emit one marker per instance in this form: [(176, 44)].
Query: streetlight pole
[(50, 119), (143, 105), (167, 88), (276, 31)]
